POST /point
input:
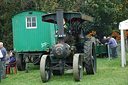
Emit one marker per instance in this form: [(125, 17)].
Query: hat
[(108, 37)]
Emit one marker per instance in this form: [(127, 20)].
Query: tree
[(7, 10), (105, 14)]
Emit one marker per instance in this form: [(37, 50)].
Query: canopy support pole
[(123, 56)]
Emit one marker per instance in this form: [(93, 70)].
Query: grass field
[(108, 73)]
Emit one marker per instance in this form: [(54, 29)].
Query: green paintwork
[(101, 49), (31, 40)]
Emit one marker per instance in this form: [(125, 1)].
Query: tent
[(123, 26)]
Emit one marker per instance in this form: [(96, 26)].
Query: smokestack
[(59, 14)]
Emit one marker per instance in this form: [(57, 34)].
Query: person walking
[(113, 46), (3, 54)]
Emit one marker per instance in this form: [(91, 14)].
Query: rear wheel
[(77, 67), (21, 63), (45, 70), (90, 57)]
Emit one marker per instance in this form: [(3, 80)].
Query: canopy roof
[(68, 17), (123, 25)]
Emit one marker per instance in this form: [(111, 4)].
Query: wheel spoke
[(80, 67)]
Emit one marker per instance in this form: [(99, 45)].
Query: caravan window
[(31, 22)]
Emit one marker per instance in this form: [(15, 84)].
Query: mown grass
[(108, 73)]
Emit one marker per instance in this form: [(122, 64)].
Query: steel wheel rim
[(45, 71), (77, 67)]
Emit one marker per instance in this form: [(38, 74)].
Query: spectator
[(12, 58), (113, 46), (104, 40), (3, 53)]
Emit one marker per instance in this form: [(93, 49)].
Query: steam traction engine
[(72, 50)]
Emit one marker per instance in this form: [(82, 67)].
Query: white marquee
[(123, 26)]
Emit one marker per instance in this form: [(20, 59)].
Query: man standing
[(113, 46), (104, 40), (3, 60)]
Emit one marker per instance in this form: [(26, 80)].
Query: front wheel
[(77, 67), (45, 70)]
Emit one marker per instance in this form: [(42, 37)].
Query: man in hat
[(113, 46)]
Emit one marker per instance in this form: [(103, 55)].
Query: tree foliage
[(106, 13)]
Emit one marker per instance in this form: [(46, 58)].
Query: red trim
[(49, 20)]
